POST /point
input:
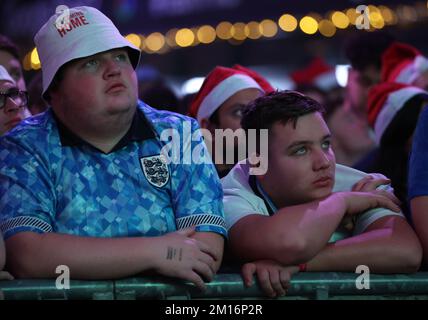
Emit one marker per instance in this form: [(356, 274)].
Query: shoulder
[(237, 178), (34, 133), (162, 119), (346, 177)]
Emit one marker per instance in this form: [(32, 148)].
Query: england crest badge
[(155, 170)]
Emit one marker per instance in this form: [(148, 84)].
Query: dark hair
[(365, 49), (160, 96), (278, 106), (7, 45)]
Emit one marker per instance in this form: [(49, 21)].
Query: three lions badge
[(156, 170)]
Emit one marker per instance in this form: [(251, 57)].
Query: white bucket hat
[(85, 31), (5, 76)]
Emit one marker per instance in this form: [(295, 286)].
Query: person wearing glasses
[(13, 103)]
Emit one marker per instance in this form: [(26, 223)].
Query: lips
[(13, 122), (115, 87), (323, 181)]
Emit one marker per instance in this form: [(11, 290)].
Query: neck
[(103, 135), (278, 201)]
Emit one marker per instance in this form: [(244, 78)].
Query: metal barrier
[(304, 286)]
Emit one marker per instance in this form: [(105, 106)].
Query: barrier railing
[(305, 286)]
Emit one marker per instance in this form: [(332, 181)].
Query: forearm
[(379, 250), (314, 223), (291, 236), (87, 258)]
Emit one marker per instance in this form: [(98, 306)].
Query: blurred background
[(182, 40)]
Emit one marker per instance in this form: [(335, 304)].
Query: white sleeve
[(238, 206)]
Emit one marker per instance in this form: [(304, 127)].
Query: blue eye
[(300, 151), (122, 57), (326, 144), (91, 64)]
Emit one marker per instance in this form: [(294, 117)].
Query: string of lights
[(236, 33)]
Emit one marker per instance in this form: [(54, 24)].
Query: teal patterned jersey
[(52, 181)]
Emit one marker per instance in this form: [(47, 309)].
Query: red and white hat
[(402, 63), (385, 101), (77, 33), (220, 84), (5, 76), (318, 73)]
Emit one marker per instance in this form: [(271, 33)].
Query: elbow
[(411, 258), (20, 268)]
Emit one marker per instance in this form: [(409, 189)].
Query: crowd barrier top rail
[(304, 286)]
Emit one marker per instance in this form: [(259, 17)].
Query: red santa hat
[(385, 101), (402, 63), (220, 84), (318, 73)]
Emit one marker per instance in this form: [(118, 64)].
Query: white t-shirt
[(240, 200)]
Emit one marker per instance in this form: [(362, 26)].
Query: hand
[(358, 202), (4, 275), (274, 278), (371, 182), (179, 256)]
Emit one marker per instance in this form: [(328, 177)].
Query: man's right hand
[(358, 202), (177, 255)]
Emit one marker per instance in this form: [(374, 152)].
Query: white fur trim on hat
[(326, 81), (5, 76), (412, 71), (88, 32), (394, 103), (223, 91)]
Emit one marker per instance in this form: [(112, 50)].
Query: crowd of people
[(264, 181)]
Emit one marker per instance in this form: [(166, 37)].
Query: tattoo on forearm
[(172, 253)]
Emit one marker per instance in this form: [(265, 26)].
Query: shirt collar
[(258, 190), (141, 129)]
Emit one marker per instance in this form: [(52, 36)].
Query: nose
[(112, 69), (11, 105), (321, 159)]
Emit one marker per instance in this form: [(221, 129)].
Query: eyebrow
[(306, 142)]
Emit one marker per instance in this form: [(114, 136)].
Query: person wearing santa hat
[(393, 112), (218, 106), (350, 138), (13, 102), (418, 182), (403, 63), (364, 51)]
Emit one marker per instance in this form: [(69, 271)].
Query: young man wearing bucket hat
[(86, 184)]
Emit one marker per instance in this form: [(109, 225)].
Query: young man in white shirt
[(305, 213)]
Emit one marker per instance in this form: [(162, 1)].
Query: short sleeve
[(26, 199), (418, 167), (196, 190), (237, 207)]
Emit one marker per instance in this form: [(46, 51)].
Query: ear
[(207, 124)]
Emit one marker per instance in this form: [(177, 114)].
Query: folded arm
[(419, 207), (295, 234), (33, 255), (388, 245)]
